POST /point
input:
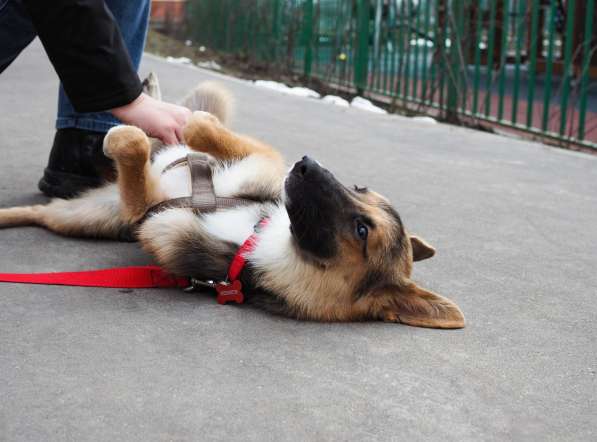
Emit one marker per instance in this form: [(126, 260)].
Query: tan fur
[(418, 307), (421, 249), (330, 292), (20, 216), (129, 147), (382, 237), (205, 133), (316, 293), (93, 214)]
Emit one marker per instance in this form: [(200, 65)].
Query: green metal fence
[(524, 65)]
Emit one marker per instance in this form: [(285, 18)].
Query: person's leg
[(16, 31), (132, 17), (77, 161)]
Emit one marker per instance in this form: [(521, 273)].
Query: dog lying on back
[(327, 253)]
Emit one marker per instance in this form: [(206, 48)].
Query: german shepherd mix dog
[(327, 252)]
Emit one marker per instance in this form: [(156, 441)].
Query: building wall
[(168, 11)]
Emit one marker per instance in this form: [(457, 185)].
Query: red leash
[(142, 277)]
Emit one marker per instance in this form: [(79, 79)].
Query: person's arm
[(86, 48)]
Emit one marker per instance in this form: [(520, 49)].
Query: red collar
[(231, 289)]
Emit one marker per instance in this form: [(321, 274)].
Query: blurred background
[(523, 66)]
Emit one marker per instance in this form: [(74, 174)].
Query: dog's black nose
[(304, 166)]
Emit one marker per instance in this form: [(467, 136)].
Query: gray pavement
[(515, 225)]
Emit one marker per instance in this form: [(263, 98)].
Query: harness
[(203, 198)]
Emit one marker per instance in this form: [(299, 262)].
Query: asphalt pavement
[(515, 227)]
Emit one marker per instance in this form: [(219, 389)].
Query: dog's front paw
[(204, 117), (126, 144), (201, 130)]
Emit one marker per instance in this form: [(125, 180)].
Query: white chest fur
[(229, 180)]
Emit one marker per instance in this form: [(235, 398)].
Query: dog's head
[(363, 253)]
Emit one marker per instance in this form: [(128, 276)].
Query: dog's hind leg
[(94, 214), (205, 133), (139, 189)]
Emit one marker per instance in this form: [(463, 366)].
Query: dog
[(326, 253)]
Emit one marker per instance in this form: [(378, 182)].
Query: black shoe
[(77, 163)]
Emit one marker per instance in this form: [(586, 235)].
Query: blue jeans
[(17, 31)]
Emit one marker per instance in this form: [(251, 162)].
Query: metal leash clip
[(227, 291), (197, 284)]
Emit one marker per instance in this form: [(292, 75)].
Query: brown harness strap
[(203, 198), (174, 164), (202, 194)]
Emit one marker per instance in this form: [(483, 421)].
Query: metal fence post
[(457, 64), (361, 62), (375, 46), (308, 26), (586, 64), (276, 25), (571, 5)]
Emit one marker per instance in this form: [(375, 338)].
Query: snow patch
[(281, 87), (357, 102), (335, 100), (209, 65), (273, 85), (178, 60), (366, 105), (304, 92), (427, 120)]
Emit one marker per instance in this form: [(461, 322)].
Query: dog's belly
[(234, 224), (175, 183)]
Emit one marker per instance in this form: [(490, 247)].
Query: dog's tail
[(211, 97), (208, 96), (20, 216), (94, 214)]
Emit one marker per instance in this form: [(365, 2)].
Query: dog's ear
[(421, 249), (413, 305)]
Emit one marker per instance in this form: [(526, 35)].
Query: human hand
[(158, 119)]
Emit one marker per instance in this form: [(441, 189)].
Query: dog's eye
[(362, 231), (360, 189)]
